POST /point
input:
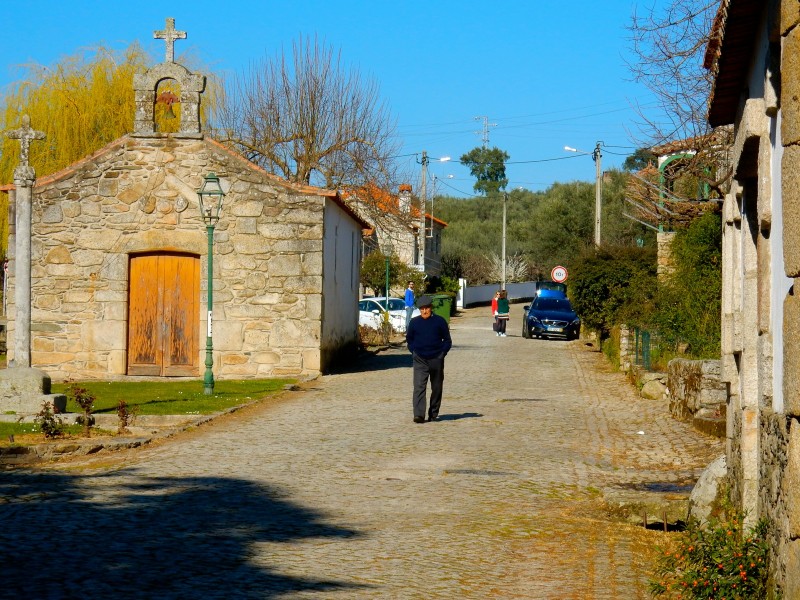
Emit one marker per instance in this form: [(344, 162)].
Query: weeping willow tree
[(82, 103)]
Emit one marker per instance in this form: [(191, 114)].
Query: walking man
[(409, 302), (428, 338)]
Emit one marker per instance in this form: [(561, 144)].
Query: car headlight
[(576, 321)]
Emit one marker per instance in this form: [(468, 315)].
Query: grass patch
[(172, 397), (7, 429)]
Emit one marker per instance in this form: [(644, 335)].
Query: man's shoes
[(419, 419), (433, 418)]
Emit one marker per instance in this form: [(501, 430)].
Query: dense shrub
[(689, 300), (610, 286)]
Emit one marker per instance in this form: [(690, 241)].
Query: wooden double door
[(163, 314)]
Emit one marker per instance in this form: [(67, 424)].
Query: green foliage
[(689, 300), (713, 561), (488, 166), (546, 229), (373, 274), (639, 160), (50, 425), (610, 286)]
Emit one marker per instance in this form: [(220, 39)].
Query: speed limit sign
[(558, 274)]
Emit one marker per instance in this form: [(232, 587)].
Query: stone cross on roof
[(25, 134), (169, 35)]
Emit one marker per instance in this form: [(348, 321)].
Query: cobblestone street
[(333, 492)]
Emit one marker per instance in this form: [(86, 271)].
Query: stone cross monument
[(23, 389), (24, 177)]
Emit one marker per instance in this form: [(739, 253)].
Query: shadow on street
[(160, 538)]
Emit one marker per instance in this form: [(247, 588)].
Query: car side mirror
[(375, 311), (526, 307)]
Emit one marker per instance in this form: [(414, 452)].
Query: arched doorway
[(163, 314)]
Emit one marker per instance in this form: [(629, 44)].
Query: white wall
[(341, 261)]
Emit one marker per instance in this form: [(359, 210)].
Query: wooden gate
[(163, 315)]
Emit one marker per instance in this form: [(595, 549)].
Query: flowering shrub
[(716, 561)]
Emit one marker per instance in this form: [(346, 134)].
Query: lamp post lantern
[(210, 196)]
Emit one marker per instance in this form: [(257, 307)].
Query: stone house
[(396, 218), (755, 58), (120, 259)]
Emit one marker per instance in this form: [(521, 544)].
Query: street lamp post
[(505, 203), (598, 186), (423, 202), (210, 196)]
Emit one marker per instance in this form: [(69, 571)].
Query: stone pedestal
[(23, 390)]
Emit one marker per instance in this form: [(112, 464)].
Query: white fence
[(476, 295)]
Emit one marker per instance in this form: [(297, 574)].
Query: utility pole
[(505, 203), (598, 192), (423, 198)]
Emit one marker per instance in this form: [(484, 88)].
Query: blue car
[(551, 315)]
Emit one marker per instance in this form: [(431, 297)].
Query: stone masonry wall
[(696, 392), (790, 191), (139, 195)]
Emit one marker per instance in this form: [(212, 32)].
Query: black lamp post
[(211, 196)]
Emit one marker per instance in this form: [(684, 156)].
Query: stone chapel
[(119, 253)]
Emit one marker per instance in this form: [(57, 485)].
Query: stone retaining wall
[(697, 394)]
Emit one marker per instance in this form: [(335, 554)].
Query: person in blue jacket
[(409, 302), (428, 339)]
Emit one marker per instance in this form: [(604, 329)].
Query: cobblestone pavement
[(333, 492)]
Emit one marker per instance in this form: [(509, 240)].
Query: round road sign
[(558, 274)]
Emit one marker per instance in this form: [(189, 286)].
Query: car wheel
[(525, 333)]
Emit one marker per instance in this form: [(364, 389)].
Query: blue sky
[(548, 73)]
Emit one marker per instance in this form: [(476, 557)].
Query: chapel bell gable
[(145, 88)]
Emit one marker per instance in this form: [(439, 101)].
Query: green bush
[(688, 307), (611, 286), (719, 560)]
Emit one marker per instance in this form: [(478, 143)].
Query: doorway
[(163, 314)]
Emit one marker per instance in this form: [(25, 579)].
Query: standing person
[(502, 313), (494, 313), (428, 338), (410, 298)]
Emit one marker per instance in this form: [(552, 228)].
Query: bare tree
[(668, 46), (310, 120)]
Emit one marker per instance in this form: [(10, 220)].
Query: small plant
[(716, 560), (126, 414), (51, 426), (85, 399)]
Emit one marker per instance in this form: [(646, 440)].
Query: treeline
[(543, 229)]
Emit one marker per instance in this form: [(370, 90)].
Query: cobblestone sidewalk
[(333, 492)]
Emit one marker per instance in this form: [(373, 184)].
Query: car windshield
[(396, 304), (554, 304)]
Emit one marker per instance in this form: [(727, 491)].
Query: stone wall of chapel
[(140, 195)]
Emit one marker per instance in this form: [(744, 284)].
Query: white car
[(370, 312)]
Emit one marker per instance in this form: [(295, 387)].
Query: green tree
[(639, 160), (488, 166), (373, 273)]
